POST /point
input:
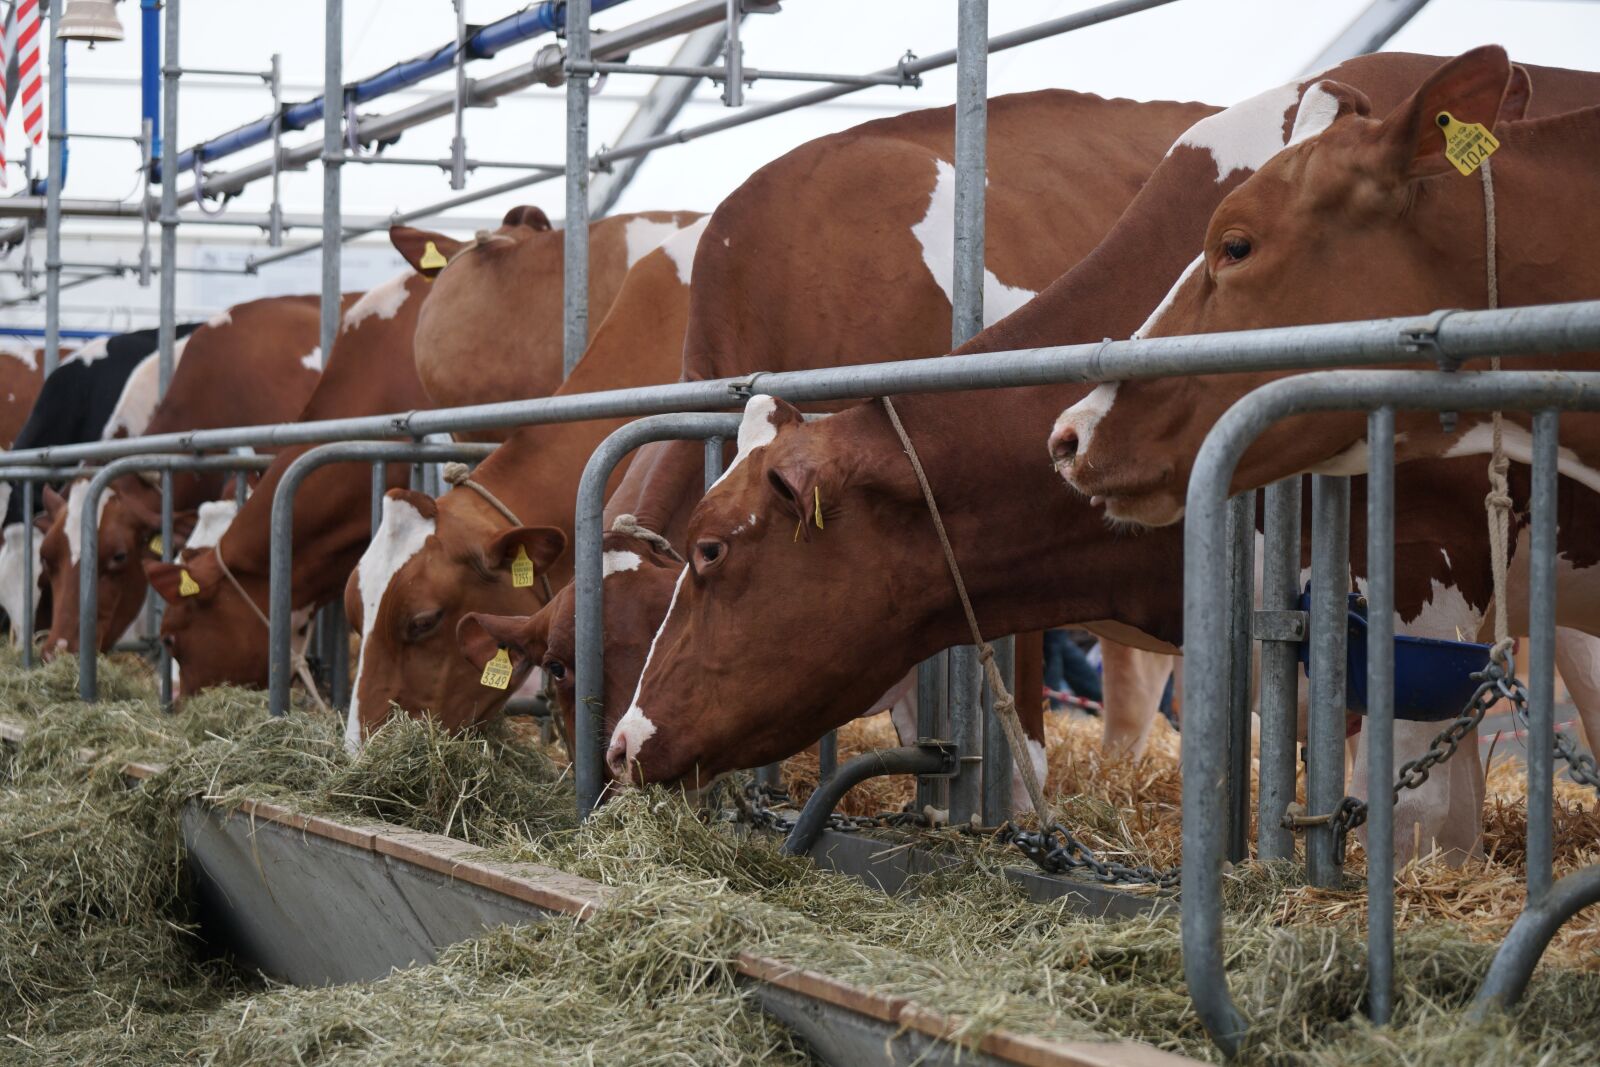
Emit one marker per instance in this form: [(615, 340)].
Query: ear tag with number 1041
[(497, 672), (521, 569), (187, 586), (1466, 144)]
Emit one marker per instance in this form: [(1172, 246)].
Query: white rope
[(297, 658), (629, 524), (1497, 504)]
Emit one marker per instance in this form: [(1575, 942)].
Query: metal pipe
[(733, 58), (966, 733), (1330, 587), (1542, 656), (1241, 601), (89, 554), (588, 593), (1205, 646), (1543, 330), (56, 135), (1529, 936), (920, 760), (932, 723), (380, 486), (575, 229), (1369, 32), (29, 580), (280, 572), (748, 75), (997, 769), (458, 143), (275, 211), (1280, 670), (168, 332), (1380, 715), (163, 654), (332, 159), (828, 757)]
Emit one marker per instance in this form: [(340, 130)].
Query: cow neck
[(459, 475)]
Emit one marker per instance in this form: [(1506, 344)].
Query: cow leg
[(1133, 681), (1578, 660), (1029, 694)]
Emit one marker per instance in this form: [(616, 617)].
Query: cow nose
[(1064, 445), (617, 758)]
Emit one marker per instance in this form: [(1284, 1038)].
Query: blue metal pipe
[(150, 71), (35, 331), (488, 41)]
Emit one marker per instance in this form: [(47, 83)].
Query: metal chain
[(1054, 851)]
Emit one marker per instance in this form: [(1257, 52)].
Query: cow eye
[(422, 625), (1236, 248), (708, 554), (118, 559), (555, 669)]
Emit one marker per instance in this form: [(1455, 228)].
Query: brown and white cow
[(499, 301), (213, 634), (21, 376), (1061, 167), (1359, 218), (876, 595), (254, 363)]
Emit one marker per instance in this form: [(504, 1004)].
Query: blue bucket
[(1432, 679)]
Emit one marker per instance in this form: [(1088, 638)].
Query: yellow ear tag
[(433, 259), (1466, 144), (497, 672), (155, 544), (816, 493), (187, 586), (521, 569)]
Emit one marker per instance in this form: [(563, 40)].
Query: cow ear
[(53, 506), (797, 484), (525, 546), (183, 523), (526, 215), (425, 505), (1519, 95), (1324, 103), (480, 637), (427, 252), (177, 582), (1470, 87), (134, 503)]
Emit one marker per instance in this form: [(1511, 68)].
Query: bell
[(89, 20)]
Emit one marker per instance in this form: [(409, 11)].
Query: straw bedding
[(99, 962)]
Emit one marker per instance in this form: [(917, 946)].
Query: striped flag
[(22, 40)]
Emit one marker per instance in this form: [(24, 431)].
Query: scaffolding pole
[(575, 249), (56, 136), (332, 159)]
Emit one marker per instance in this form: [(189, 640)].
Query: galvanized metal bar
[(966, 731), (1571, 327), (997, 769), (1542, 561), (334, 620), (1241, 601), (733, 58), (827, 757), (749, 75), (280, 595), (1369, 32), (1380, 715), (56, 133), (1529, 936), (163, 655), (275, 211), (1280, 672), (575, 229), (713, 460), (1205, 649), (332, 160), (458, 143), (167, 335), (933, 724), (89, 554), (589, 532), (1330, 587), (380, 487), (29, 579)]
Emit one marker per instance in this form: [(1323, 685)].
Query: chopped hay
[(99, 963)]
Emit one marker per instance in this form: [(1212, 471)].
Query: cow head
[(804, 517), (429, 563), (1363, 218), (129, 519), (210, 631), (639, 579)]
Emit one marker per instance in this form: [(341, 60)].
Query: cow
[(725, 688), (769, 294), (1358, 218), (432, 560), (253, 363), (206, 625), (73, 405), (501, 301), (21, 376)]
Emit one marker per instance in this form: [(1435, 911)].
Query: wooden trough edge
[(813, 1003)]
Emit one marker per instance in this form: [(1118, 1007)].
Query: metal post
[(163, 655), (458, 143), (996, 753), (588, 592), (170, 72), (28, 577), (1330, 586), (338, 627), (827, 757), (148, 161), (1541, 666), (275, 212), (733, 58), (966, 320), (932, 722), (1380, 715), (575, 268), (1241, 601), (1280, 669), (56, 134), (332, 157), (380, 486)]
